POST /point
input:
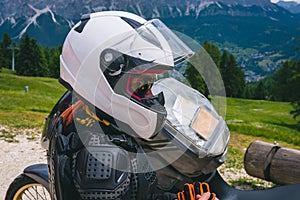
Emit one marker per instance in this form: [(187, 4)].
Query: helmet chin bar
[(155, 104)]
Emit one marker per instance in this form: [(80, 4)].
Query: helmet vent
[(84, 20), (134, 24)]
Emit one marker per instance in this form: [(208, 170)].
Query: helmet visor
[(153, 42), (153, 29), (139, 84)]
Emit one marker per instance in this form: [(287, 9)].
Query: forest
[(31, 59)]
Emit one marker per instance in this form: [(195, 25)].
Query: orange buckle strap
[(203, 187), (212, 196), (180, 196), (191, 190)]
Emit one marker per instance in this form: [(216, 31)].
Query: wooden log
[(257, 157), (285, 166), (272, 163)]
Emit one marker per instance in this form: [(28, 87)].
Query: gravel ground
[(25, 149), (15, 156)]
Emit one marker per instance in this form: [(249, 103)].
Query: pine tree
[(249, 91), (196, 80), (214, 52), (194, 74), (285, 85), (206, 80), (260, 92), (239, 77), (40, 67), (52, 57), (23, 61), (268, 85), (233, 76), (224, 62), (294, 89), (211, 72), (5, 51), (281, 90), (31, 60)]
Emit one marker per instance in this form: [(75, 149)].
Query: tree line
[(232, 75), (283, 85), (31, 59)]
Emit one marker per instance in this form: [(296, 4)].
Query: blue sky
[(274, 1)]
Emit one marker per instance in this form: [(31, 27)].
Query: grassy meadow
[(248, 120), (21, 110)]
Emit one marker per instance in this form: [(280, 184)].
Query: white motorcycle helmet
[(112, 58)]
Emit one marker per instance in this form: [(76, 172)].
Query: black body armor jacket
[(88, 162)]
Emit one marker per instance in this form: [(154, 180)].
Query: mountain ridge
[(260, 34), (291, 6), (145, 8), (32, 9)]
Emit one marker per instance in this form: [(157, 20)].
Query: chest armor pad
[(104, 170)]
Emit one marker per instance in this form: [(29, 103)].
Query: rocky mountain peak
[(148, 8), (262, 3)]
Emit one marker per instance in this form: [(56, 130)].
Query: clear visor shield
[(153, 42)]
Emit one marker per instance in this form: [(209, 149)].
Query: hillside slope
[(265, 119), (18, 109)]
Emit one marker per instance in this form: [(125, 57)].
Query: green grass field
[(248, 120), (21, 110), (269, 120)]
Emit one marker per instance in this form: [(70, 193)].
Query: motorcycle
[(193, 150)]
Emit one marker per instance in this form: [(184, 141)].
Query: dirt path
[(15, 156)]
